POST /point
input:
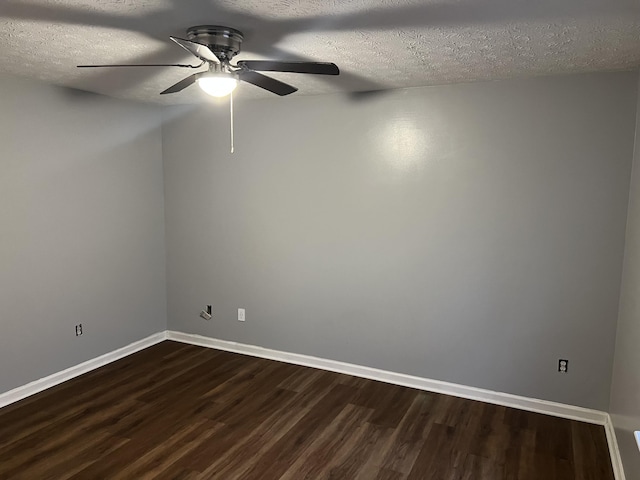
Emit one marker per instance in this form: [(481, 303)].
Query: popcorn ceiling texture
[(378, 44)]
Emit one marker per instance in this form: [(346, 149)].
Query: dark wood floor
[(177, 411)]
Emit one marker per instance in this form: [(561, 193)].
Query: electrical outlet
[(563, 366), (241, 315), (78, 330)]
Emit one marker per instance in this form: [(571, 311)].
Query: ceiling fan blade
[(142, 65), (317, 68), (198, 49), (181, 85), (268, 83)]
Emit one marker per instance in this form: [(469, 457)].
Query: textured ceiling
[(378, 44)]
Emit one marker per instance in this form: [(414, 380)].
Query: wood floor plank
[(389, 411), (437, 458), (326, 445), (262, 438), (274, 463), (357, 455), (157, 460), (177, 411), (407, 441)]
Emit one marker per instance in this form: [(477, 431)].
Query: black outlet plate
[(563, 365)]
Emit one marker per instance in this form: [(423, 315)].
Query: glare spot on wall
[(403, 144)]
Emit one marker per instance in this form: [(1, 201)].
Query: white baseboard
[(614, 450), (472, 393), (52, 380), (498, 398)]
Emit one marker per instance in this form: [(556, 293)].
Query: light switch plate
[(637, 434)]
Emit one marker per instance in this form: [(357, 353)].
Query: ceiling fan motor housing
[(225, 42)]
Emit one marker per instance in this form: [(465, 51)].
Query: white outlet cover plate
[(241, 316), (637, 434)]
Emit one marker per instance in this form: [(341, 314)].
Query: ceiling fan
[(215, 46)]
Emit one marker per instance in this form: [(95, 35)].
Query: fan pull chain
[(231, 117)]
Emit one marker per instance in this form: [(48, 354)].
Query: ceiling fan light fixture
[(218, 84)]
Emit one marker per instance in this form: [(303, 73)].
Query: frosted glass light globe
[(218, 84)]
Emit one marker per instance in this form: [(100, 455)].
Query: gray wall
[(468, 233), (625, 390), (81, 228)]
